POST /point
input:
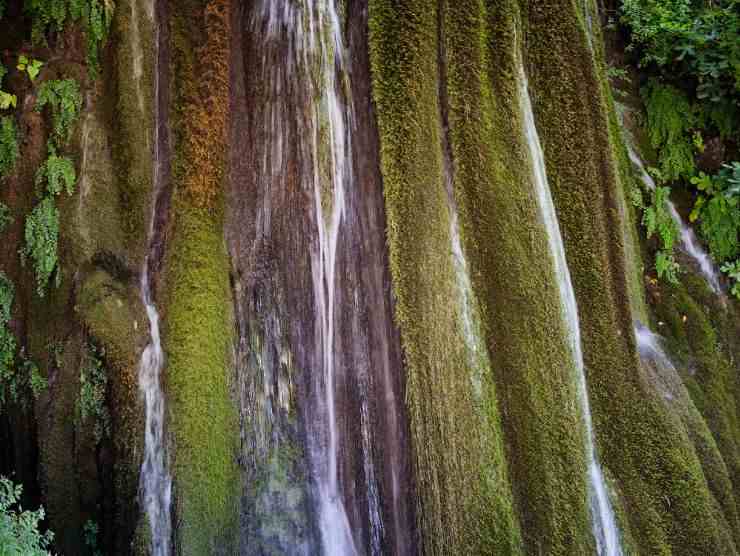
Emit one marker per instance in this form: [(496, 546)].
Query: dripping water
[(603, 521), (155, 484), (689, 242)]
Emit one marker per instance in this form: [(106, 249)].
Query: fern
[(58, 172), (52, 15), (41, 243), (65, 101), (670, 118), (8, 145), (657, 219)]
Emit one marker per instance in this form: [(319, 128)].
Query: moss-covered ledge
[(513, 273), (458, 511), (660, 479), (198, 323)]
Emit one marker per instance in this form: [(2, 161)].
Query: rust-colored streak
[(205, 113)]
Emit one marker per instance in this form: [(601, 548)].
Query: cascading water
[(603, 521), (155, 484), (317, 77), (689, 242), (336, 535), (649, 347)]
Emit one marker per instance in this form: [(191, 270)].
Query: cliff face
[(363, 321)]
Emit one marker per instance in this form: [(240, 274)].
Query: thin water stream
[(155, 483), (603, 521), (329, 203), (689, 242), (650, 348)]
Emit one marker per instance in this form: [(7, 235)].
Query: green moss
[(691, 317), (198, 329), (510, 266), (643, 446), (132, 115), (198, 323)]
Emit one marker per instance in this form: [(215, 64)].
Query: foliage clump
[(718, 208), (64, 99), (42, 240), (19, 529), (657, 220), (53, 15), (57, 174), (691, 50), (7, 340), (669, 121), (19, 377)]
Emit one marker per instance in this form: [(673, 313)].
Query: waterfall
[(307, 81), (689, 242), (602, 516), (329, 204), (155, 484)]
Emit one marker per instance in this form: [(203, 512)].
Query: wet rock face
[(284, 282)]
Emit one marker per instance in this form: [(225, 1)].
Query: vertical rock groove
[(317, 357)]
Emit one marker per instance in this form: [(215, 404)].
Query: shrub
[(19, 529)]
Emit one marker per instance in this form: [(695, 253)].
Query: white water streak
[(337, 538), (477, 355), (650, 348), (155, 484), (689, 242), (603, 522), (317, 54)]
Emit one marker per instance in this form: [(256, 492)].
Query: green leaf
[(7, 100), (696, 211), (34, 69)]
